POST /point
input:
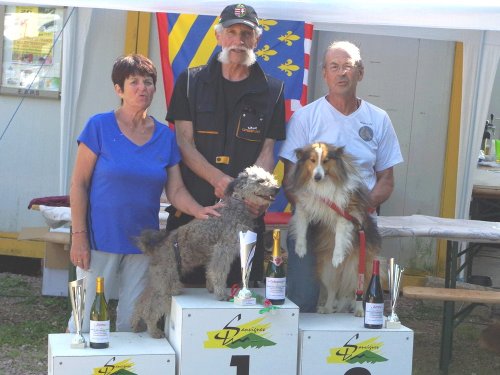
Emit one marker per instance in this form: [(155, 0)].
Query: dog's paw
[(138, 326), (156, 333), (325, 310), (337, 259), (300, 249), (221, 294)]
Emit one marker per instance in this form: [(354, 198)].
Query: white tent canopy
[(475, 23), (455, 14)]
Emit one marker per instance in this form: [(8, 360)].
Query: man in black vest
[(228, 115)]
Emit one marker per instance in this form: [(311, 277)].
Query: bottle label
[(275, 287), (374, 313), (99, 331)]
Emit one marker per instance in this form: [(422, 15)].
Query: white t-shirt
[(367, 134)]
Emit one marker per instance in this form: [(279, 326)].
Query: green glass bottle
[(99, 318), (275, 273)]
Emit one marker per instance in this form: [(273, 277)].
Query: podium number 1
[(242, 364)]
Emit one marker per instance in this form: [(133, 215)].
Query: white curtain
[(481, 59), (74, 45)]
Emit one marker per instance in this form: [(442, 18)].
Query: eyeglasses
[(335, 68)]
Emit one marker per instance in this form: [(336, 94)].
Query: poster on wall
[(32, 45)]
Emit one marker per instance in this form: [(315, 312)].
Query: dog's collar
[(346, 215)]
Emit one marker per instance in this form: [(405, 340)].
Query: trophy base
[(245, 301), (392, 325), (78, 342)]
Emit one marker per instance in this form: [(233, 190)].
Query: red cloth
[(55, 201), (277, 218)]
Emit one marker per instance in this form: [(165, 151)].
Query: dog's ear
[(299, 152), (336, 152)]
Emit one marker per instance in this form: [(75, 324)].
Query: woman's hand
[(209, 211), (80, 251)]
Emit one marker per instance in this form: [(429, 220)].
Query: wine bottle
[(275, 273), (373, 302), (99, 318)]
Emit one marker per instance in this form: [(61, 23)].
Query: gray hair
[(218, 29), (350, 48)]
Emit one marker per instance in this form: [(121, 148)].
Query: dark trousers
[(197, 276)]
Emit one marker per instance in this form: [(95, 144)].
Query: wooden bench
[(449, 294), (451, 319)]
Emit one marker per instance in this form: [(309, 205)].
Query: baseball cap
[(239, 13)]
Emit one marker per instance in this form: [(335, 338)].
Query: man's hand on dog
[(221, 185), (255, 209)]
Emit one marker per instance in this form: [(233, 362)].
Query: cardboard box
[(338, 343), (219, 337), (55, 282), (128, 353), (56, 261), (45, 234)]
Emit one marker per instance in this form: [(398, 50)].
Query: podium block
[(218, 337), (339, 344), (128, 353)]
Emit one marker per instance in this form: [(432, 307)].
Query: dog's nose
[(318, 176)]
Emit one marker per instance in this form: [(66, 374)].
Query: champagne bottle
[(275, 273), (374, 300), (99, 318)]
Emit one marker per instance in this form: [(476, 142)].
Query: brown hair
[(132, 64)]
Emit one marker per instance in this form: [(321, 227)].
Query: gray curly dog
[(213, 243)]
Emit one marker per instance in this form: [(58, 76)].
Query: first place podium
[(214, 337)]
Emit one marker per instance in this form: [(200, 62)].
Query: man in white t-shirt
[(342, 119)]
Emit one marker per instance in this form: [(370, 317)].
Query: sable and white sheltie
[(325, 177)]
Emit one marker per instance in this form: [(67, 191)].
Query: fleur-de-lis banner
[(188, 40)]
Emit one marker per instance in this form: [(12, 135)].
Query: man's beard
[(249, 60)]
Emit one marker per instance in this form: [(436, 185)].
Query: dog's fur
[(325, 172), (213, 242)]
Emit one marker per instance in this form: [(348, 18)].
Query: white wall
[(495, 104), (28, 157)]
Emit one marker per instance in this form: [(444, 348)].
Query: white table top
[(389, 226), (438, 227), (487, 175)]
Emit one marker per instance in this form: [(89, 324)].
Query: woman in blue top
[(123, 160)]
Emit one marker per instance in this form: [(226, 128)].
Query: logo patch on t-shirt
[(366, 133)]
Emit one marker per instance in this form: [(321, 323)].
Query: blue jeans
[(302, 285)]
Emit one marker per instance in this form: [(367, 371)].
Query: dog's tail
[(149, 240)]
